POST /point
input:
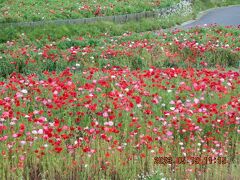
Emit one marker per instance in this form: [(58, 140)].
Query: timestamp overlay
[(191, 160)]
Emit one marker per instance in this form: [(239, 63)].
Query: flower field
[(195, 48), (115, 119), (106, 107), (28, 10)]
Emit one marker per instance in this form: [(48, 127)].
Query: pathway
[(226, 16)]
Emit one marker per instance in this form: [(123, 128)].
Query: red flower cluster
[(122, 109)]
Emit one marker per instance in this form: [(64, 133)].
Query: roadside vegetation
[(113, 29), (34, 10)]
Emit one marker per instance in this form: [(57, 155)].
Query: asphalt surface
[(226, 16)]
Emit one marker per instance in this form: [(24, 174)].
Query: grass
[(92, 29), (28, 10), (201, 5)]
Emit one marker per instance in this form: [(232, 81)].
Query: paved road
[(225, 16)]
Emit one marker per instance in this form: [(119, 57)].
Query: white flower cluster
[(183, 8), (149, 175)]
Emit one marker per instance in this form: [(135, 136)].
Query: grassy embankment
[(113, 29)]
